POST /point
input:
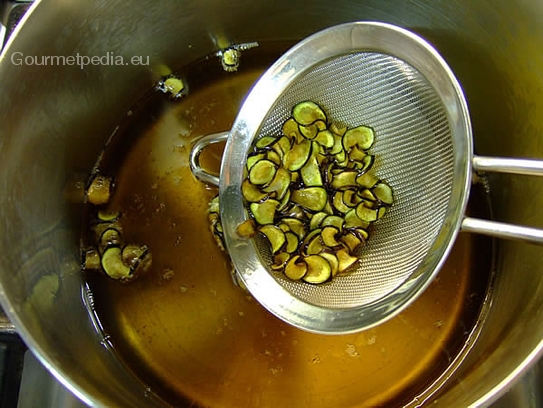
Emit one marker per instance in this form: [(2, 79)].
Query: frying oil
[(194, 338)]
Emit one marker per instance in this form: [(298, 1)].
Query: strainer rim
[(329, 43)]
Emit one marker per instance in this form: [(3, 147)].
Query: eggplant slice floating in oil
[(107, 251)]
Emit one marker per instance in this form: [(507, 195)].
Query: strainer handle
[(498, 229), (194, 158), (502, 230), (527, 167)]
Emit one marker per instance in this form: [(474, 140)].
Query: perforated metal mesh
[(414, 154)]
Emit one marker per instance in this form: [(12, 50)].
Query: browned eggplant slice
[(351, 198), (296, 226), (361, 137), (312, 198), (284, 201), (132, 254), (365, 213), (105, 215), (247, 229), (284, 227), (310, 131), (315, 245), (311, 172), (352, 220), (296, 268), (383, 192), (337, 128), (262, 172), (264, 212), (294, 210), (352, 241), (367, 195), (366, 180), (280, 260), (356, 154), (282, 146), (345, 180), (328, 208), (345, 260), (338, 202), (91, 259), (362, 233), (113, 265), (251, 192), (100, 190), (275, 235), (297, 156), (341, 158), (280, 183), (325, 138), (292, 242), (265, 141), (110, 237), (318, 269), (366, 163), (328, 235), (337, 147), (316, 220), (309, 237), (332, 260), (333, 221), (254, 158), (290, 129), (306, 113), (274, 157)]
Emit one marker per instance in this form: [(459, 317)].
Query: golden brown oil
[(197, 340)]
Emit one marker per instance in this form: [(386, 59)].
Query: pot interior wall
[(55, 120)]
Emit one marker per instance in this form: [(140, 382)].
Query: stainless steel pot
[(55, 118)]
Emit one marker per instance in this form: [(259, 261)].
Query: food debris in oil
[(231, 55), (193, 337)]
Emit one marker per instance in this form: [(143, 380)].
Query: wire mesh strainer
[(387, 78)]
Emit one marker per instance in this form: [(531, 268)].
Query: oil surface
[(197, 340)]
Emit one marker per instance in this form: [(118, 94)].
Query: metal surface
[(40, 389), (502, 230), (387, 78), (198, 147), (508, 165), (73, 110)]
